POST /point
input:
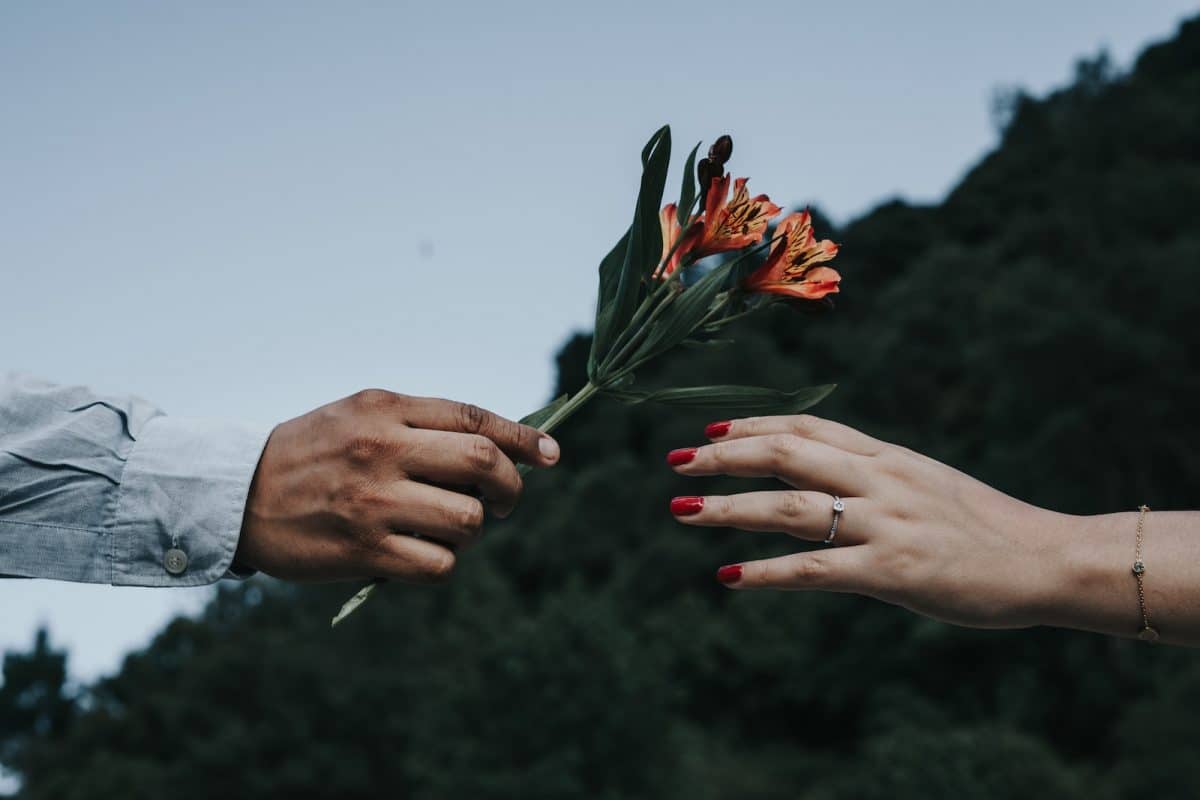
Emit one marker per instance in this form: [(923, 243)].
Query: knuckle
[(525, 436), (351, 500), (792, 505), (899, 515), (365, 449), (904, 466), (749, 426), (812, 570), (805, 424), (483, 454), (469, 518), (722, 506), (520, 437), (471, 418), (780, 448), (893, 461), (372, 399), (718, 454)]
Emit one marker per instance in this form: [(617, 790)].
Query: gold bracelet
[(1147, 632)]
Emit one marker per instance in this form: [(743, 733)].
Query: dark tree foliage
[(35, 704), (1037, 329)]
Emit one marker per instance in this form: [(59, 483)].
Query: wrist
[(182, 501), (1093, 590)]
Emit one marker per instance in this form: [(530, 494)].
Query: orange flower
[(669, 220), (793, 267), (731, 223)]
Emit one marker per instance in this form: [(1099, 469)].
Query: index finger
[(832, 433), (519, 442), (799, 462)]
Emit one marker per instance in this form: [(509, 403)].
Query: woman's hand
[(914, 532)]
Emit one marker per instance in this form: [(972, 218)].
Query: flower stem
[(631, 329), (709, 325), (613, 363), (570, 407)]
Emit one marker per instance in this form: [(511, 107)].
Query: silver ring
[(838, 508)]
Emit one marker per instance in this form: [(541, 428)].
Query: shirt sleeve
[(110, 490)]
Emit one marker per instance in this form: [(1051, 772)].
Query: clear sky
[(245, 210)]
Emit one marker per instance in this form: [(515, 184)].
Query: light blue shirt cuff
[(184, 488)]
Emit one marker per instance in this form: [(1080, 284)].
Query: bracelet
[(1147, 633)]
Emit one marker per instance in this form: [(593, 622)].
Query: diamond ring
[(838, 508)]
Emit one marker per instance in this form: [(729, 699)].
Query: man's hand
[(382, 485)]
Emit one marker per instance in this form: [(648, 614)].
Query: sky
[(246, 210)]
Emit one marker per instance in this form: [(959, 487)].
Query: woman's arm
[(927, 537)]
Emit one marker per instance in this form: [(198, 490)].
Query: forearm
[(1098, 591), (101, 489)]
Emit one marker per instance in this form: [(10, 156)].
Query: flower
[(721, 149), (669, 221), (708, 171), (732, 222), (793, 267)]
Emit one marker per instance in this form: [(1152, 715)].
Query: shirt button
[(175, 561)]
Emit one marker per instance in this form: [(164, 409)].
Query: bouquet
[(659, 288)]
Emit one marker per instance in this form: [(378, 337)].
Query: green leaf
[(702, 344), (351, 605), (544, 413), (687, 192), (610, 278), (684, 314), (739, 398), (642, 251)]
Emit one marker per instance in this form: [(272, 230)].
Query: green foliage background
[(1037, 329)]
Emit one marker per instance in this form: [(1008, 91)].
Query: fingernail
[(718, 429), (681, 456), (548, 448), (686, 506), (730, 574)]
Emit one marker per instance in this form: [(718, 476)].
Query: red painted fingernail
[(686, 506), (730, 574), (681, 456), (718, 429)]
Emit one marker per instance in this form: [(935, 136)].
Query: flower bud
[(721, 150), (706, 171)]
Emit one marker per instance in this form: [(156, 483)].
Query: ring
[(838, 508)]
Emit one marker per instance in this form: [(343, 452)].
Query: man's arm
[(110, 490), (101, 489)]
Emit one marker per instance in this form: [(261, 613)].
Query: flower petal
[(736, 222), (714, 201), (816, 284), (671, 229)]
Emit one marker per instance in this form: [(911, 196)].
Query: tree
[(35, 704)]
